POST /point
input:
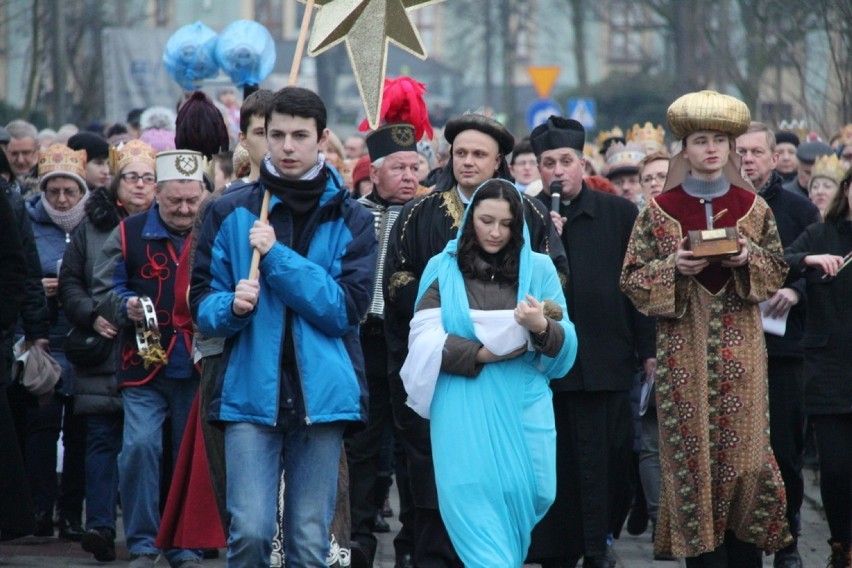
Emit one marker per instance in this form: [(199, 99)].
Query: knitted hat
[(159, 139), (787, 137), (95, 145), (808, 152), (361, 171), (61, 161)]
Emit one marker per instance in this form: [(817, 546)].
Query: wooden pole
[(294, 74)]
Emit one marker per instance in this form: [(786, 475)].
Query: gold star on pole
[(367, 26)]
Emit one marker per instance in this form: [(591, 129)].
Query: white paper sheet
[(775, 326)]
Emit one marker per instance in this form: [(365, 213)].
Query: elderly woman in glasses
[(54, 213), (96, 396)]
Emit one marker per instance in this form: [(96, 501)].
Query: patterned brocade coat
[(717, 467)]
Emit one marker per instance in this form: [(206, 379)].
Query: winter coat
[(95, 390), (322, 291)]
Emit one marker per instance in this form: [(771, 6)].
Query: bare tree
[(578, 22)]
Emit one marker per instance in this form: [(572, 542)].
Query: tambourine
[(148, 336)]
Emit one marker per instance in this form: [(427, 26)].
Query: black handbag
[(86, 347)]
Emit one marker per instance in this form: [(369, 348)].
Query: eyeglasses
[(69, 192), (660, 177), (133, 177)]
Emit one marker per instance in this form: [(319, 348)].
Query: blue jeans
[(103, 443), (253, 458), (140, 460)]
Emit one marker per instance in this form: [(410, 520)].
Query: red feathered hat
[(402, 101)]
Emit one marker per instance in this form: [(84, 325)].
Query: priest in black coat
[(592, 407)]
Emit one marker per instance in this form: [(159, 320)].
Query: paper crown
[(60, 160), (605, 135), (132, 152), (828, 167), (707, 110), (623, 158), (180, 164), (650, 138)]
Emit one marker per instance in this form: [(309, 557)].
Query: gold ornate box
[(714, 244)]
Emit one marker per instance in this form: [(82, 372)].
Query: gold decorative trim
[(397, 281), (452, 204)]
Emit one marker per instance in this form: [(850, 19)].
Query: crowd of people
[(539, 342)]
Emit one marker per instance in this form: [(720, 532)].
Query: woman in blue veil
[(489, 333)]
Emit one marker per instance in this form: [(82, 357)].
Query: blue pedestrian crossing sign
[(540, 110), (583, 111)]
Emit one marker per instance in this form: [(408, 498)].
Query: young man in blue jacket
[(293, 374)]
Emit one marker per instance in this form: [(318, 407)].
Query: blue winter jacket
[(326, 293)]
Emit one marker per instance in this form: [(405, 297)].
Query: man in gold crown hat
[(722, 499)]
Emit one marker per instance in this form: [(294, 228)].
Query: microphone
[(555, 195)]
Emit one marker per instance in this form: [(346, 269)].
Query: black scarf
[(299, 196)]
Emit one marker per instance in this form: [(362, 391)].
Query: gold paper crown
[(828, 167), (707, 110), (649, 137), (132, 152), (59, 158), (607, 134)]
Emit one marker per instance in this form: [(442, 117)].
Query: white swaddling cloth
[(497, 330)]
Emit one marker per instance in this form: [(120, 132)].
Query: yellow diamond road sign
[(543, 79)]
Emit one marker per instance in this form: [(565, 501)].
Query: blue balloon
[(246, 52), (190, 55)]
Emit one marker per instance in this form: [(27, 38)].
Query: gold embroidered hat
[(60, 160), (133, 152), (707, 110), (180, 164), (828, 167)]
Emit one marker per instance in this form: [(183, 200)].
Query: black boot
[(70, 528), (101, 543), (43, 523), (637, 522)]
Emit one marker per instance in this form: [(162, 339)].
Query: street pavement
[(632, 551)]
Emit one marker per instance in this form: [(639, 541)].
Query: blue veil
[(494, 435)]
